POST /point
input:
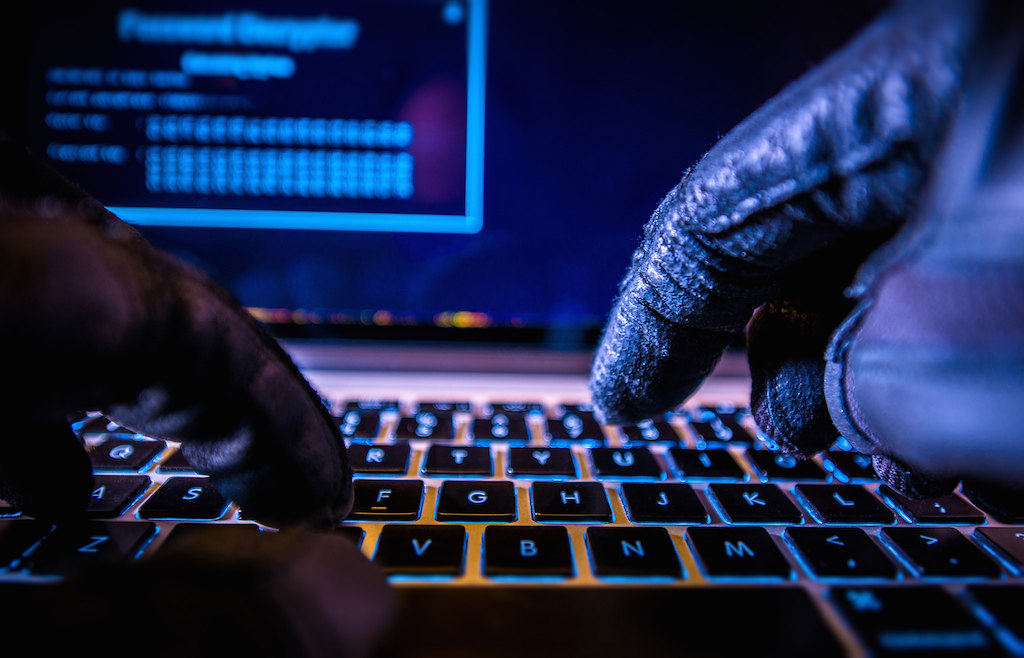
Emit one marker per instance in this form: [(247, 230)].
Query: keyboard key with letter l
[(845, 503)]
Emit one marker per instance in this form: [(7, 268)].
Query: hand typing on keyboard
[(908, 138), (94, 318)]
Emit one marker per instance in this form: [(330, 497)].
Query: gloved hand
[(910, 137), (94, 318), (290, 593)]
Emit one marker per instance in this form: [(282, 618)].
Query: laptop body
[(430, 204)]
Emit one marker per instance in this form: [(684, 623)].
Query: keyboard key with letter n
[(637, 552)]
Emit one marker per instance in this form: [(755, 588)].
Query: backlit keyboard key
[(387, 500), (663, 503), (720, 429), (636, 552), (738, 552), (845, 503), (913, 621), (419, 549), (650, 430), (426, 425), (625, 463), (444, 407), (359, 424), (185, 498), (175, 463), (755, 503), (850, 466), (476, 501), (711, 464), (18, 537), (945, 510), (1007, 541), (570, 501), (941, 552), (458, 460), (841, 553), (576, 426), (115, 454), (513, 550), (1002, 603), (112, 494), (541, 462), (379, 458), (779, 466), (1006, 506), (501, 427), (93, 543)]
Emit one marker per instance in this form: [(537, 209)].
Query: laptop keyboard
[(543, 500)]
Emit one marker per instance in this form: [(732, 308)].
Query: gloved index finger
[(843, 149)]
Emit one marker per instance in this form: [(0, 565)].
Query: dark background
[(594, 110)]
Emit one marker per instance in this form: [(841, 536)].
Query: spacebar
[(611, 621)]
